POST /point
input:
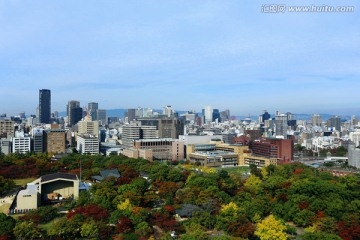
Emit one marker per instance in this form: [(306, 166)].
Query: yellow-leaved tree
[(126, 205), (253, 184), (271, 229)]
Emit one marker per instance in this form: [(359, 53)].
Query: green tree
[(66, 228), (7, 225), (319, 236), (89, 230), (175, 175), (254, 170), (6, 185), (27, 230), (143, 229), (194, 231)]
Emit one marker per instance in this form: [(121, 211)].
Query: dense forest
[(277, 202)]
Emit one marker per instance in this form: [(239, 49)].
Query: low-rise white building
[(87, 144), (21, 144)]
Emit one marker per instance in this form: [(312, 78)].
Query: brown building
[(54, 141), (7, 126), (163, 148), (281, 149)]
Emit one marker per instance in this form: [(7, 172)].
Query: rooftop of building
[(53, 176), (28, 191), (55, 130), (157, 140), (106, 173), (214, 153), (87, 136)]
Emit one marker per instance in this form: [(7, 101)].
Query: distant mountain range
[(298, 116)]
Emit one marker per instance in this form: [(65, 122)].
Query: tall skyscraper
[(208, 114), (281, 124), (131, 114), (92, 109), (44, 105), (316, 120), (101, 116), (265, 116), (74, 112), (216, 115), (335, 122), (225, 115)]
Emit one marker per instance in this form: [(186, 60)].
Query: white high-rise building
[(354, 156), (355, 137), (148, 112), (208, 114), (139, 112), (168, 111)]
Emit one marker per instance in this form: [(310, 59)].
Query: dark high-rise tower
[(44, 105), (92, 110), (74, 112), (335, 122), (216, 115)]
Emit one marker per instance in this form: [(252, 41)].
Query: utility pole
[(80, 169)]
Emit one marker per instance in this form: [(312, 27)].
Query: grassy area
[(23, 181), (48, 225), (16, 216), (237, 170), (5, 208)]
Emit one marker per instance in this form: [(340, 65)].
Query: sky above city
[(188, 54)]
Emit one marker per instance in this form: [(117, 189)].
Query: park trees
[(6, 185), (271, 229), (7, 225), (27, 230)]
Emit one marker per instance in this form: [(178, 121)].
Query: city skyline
[(227, 55)]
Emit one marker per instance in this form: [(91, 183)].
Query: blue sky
[(188, 54)]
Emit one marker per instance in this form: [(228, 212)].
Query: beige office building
[(87, 126)]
